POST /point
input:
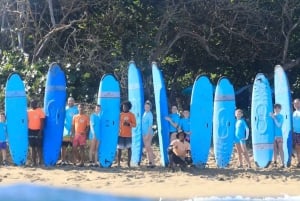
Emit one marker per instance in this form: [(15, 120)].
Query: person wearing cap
[(179, 151)]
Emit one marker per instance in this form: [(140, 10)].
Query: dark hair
[(277, 106), (127, 103), (34, 104), (148, 103), (81, 104), (181, 132)]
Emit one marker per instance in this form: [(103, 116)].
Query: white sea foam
[(242, 198)]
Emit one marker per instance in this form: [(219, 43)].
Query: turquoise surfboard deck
[(136, 97), (109, 99), (262, 124), (283, 97), (54, 108), (224, 122), (201, 125), (16, 118), (161, 105)]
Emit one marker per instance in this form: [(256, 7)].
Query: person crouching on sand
[(179, 152), (241, 129)]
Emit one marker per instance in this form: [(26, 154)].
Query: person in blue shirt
[(278, 141), (94, 135), (173, 120), (147, 131), (241, 135), (71, 110), (3, 138), (296, 129), (185, 123)]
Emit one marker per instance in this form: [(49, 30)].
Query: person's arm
[(42, 120), (276, 122), (247, 131), (92, 125), (133, 121), (87, 128), (150, 123), (73, 127), (174, 124)]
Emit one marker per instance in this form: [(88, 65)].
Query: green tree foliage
[(187, 37)]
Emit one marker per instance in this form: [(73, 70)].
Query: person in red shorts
[(36, 117), (80, 130)]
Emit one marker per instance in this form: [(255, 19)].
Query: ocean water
[(30, 192), (241, 198)]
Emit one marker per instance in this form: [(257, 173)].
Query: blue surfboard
[(136, 97), (109, 99), (262, 124), (16, 118), (283, 97), (54, 108), (224, 122), (161, 105), (201, 120)]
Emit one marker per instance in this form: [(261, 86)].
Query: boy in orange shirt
[(36, 117), (80, 130), (127, 122)]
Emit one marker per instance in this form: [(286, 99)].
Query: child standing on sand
[(278, 120), (241, 135), (3, 138)]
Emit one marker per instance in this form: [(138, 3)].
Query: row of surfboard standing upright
[(209, 116), (212, 116)]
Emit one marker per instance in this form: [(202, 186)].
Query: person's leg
[(171, 161), (75, 149), (150, 150), (92, 150), (40, 155), (119, 157), (275, 151), (96, 152), (280, 150), (81, 154), (63, 152), (239, 150), (246, 155), (147, 145), (128, 156), (33, 152), (3, 152)]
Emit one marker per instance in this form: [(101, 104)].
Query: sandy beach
[(160, 182)]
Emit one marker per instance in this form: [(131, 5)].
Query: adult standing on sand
[(296, 129), (36, 117), (147, 132), (80, 130), (95, 129), (127, 122), (71, 110)]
